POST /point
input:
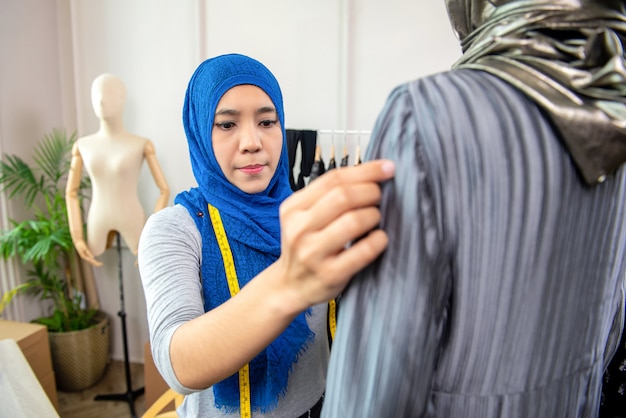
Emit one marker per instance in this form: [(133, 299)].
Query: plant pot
[(80, 358)]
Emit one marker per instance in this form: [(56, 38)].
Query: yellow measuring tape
[(332, 318), (233, 286)]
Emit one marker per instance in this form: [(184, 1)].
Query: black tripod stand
[(130, 395)]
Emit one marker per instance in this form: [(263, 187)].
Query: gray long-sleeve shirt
[(169, 262), (502, 289)]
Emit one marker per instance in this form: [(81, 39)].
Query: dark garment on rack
[(331, 164), (501, 291), (307, 139), (614, 386), (317, 170), (344, 161)]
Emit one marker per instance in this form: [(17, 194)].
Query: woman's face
[(247, 137)]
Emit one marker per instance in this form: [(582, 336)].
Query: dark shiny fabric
[(501, 292), (568, 56), (614, 385)]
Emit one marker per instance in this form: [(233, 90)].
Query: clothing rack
[(318, 146), (344, 132), (351, 142)]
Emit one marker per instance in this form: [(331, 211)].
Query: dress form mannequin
[(113, 158)]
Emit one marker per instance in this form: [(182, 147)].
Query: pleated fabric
[(501, 291)]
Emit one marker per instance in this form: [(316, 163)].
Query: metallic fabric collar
[(568, 56)]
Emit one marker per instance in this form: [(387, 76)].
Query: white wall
[(30, 88), (336, 60)]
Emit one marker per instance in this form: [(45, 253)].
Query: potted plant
[(44, 245)]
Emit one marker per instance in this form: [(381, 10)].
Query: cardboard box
[(154, 384), (33, 341)]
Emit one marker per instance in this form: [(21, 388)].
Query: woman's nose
[(250, 139)]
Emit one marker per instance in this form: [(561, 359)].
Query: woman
[(204, 330)]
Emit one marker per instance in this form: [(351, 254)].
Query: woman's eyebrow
[(229, 112), (232, 112), (266, 109)]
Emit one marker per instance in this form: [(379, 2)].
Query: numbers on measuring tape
[(233, 287), (244, 392)]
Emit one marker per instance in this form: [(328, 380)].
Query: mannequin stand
[(130, 395)]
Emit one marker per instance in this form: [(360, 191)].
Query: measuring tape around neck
[(233, 286)]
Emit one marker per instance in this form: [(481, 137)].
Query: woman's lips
[(252, 169)]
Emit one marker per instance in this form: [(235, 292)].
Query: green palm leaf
[(17, 178), (43, 242), (52, 156)]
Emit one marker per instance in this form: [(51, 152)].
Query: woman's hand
[(318, 224)]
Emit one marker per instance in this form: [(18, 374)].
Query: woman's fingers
[(359, 255), (319, 222), (328, 275), (345, 246), (328, 208), (370, 172), (336, 235), (332, 195)]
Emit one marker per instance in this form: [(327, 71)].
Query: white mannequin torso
[(112, 158), (114, 176)]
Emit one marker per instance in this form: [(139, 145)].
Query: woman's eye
[(225, 125), (267, 123)]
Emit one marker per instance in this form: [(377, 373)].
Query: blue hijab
[(251, 222)]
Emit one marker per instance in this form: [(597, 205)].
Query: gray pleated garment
[(501, 291)]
